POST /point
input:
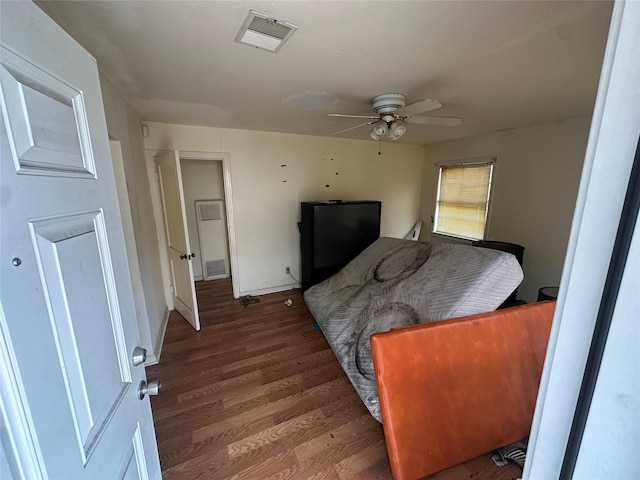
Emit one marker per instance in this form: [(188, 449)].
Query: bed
[(396, 283)]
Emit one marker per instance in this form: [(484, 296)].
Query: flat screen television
[(333, 234)]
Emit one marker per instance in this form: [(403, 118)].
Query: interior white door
[(70, 403), (175, 221)]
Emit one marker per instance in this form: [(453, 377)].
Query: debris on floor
[(248, 300)]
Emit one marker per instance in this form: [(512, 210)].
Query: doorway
[(206, 220), (213, 184)]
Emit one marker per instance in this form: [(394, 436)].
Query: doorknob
[(193, 255), (151, 388), (139, 356), (187, 257)]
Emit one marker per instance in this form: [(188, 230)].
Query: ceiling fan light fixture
[(396, 130), (392, 114), (378, 131), (388, 102)]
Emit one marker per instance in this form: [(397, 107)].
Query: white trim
[(130, 243), (14, 410), (157, 349), (231, 226), (266, 291)]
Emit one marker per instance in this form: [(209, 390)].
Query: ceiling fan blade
[(443, 121), (353, 128), (420, 106), (354, 116)]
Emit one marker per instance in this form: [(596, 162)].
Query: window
[(462, 199)]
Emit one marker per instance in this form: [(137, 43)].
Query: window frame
[(462, 163)]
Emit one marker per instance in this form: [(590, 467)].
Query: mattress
[(396, 283)]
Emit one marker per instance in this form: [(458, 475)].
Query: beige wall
[(123, 125), (273, 172), (536, 181), (535, 187)]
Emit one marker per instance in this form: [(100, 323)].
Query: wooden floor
[(258, 394)]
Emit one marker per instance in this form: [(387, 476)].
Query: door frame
[(156, 202), (613, 141), (132, 251)]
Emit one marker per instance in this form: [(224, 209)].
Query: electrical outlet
[(287, 270)]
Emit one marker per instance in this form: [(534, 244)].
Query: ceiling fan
[(392, 114)]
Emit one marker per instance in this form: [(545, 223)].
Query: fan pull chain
[(379, 152)]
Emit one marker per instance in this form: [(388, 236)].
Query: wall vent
[(216, 268), (261, 31), (212, 234), (208, 211)]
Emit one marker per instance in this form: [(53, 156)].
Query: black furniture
[(334, 233), (512, 248), (547, 293)]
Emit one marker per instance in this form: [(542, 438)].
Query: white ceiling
[(497, 64)]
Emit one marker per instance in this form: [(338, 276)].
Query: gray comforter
[(396, 283)]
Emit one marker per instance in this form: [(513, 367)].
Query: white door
[(175, 221), (70, 404)]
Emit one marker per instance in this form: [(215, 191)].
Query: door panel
[(170, 177), (47, 121), (78, 285), (175, 219), (68, 322)]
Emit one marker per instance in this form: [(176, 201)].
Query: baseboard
[(265, 291), (157, 350)]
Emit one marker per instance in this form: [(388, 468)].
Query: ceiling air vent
[(260, 31)]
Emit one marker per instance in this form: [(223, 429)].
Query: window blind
[(462, 200)]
